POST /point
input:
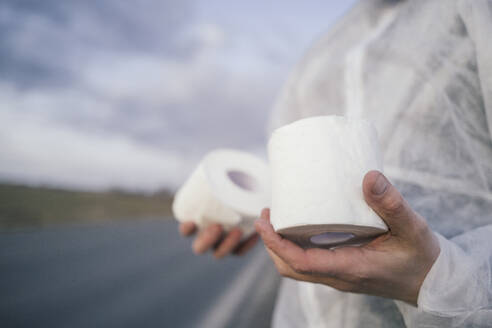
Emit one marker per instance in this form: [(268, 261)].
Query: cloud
[(45, 42), (131, 94), (111, 95), (46, 153)]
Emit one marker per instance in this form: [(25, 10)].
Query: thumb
[(389, 204)]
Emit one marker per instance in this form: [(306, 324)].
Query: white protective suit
[(421, 71)]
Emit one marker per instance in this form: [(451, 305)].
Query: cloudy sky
[(131, 94)]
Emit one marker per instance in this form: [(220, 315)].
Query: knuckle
[(393, 203), (420, 227), (269, 243), (300, 267)]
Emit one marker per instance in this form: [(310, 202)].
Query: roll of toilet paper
[(229, 187), (317, 167)]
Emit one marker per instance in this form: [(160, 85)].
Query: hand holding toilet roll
[(393, 265), (222, 198), (317, 167)]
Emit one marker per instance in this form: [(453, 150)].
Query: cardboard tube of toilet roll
[(318, 165), (228, 187)]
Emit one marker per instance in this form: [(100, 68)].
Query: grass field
[(25, 207)]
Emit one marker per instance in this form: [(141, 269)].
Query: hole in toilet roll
[(243, 180), (329, 238)]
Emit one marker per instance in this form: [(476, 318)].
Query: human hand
[(393, 265), (214, 237)]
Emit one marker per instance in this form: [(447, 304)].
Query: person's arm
[(438, 282), (393, 265), (457, 291)]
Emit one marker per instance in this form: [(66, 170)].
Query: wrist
[(434, 251), (424, 261)]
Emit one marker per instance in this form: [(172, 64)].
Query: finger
[(389, 204), (207, 238), (246, 245), (230, 242), (265, 214), (289, 252), (187, 228), (285, 270), (313, 261), (274, 241)]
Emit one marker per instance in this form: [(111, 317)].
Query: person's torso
[(410, 68)]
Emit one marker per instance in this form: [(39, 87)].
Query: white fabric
[(421, 71)]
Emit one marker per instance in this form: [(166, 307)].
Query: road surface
[(131, 274)]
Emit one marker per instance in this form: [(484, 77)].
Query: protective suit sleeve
[(457, 291)]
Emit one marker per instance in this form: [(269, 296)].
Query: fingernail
[(380, 185)]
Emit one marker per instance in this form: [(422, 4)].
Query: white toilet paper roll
[(317, 166), (229, 187)]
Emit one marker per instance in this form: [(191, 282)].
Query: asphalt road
[(132, 274)]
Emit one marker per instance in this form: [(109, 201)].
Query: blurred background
[(105, 108)]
